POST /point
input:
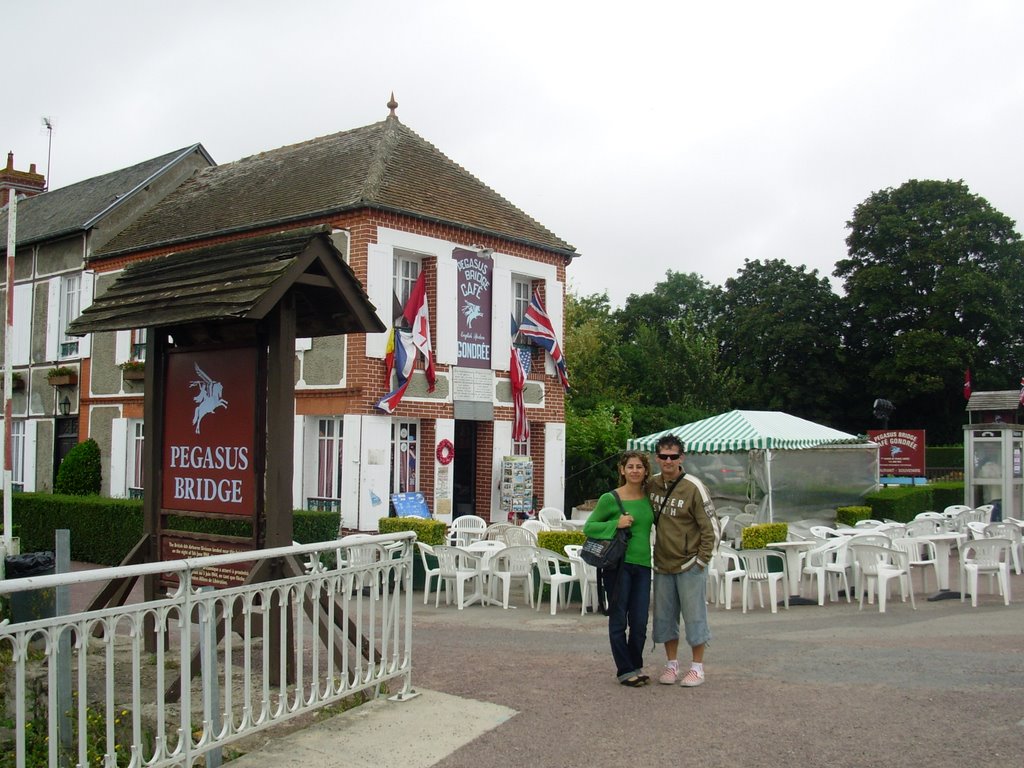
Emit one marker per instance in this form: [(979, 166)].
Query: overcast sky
[(650, 135)]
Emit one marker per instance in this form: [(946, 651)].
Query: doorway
[(464, 474), (64, 439)]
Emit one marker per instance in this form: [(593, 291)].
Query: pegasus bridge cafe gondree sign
[(900, 451), (475, 280)]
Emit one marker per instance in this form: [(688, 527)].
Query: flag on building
[(967, 384), (389, 357), (537, 326), (519, 368), (404, 361), (419, 318), (1021, 398)]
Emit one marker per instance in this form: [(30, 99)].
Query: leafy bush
[(79, 473), (761, 535), (428, 531), (850, 515), (944, 456), (556, 540)]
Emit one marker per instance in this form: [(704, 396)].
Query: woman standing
[(628, 587)]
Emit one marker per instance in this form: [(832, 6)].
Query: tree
[(933, 286), (676, 297), (780, 333), (592, 340)]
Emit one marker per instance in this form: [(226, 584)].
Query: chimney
[(26, 183)]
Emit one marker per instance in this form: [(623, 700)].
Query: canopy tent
[(794, 467)]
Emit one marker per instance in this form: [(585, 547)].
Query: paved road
[(832, 686)]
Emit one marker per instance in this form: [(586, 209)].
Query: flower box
[(134, 374), (62, 379)]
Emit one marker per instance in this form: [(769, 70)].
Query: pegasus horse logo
[(209, 399), (472, 312)]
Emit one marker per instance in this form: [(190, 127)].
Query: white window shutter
[(21, 353), (119, 458), (501, 448), (29, 458), (554, 465), (380, 289), (298, 463), (122, 347), (501, 318), (84, 301), (53, 319), (351, 455), (446, 345)]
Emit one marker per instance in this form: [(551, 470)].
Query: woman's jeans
[(629, 592)]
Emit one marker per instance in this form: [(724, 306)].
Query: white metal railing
[(84, 690)]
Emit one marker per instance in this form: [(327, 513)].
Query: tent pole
[(768, 477)]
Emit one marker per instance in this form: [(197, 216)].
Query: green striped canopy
[(748, 430)]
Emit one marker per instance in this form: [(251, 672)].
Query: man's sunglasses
[(668, 456)]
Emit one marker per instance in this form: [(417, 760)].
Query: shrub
[(428, 531), (556, 540), (79, 473), (850, 515), (763, 534)]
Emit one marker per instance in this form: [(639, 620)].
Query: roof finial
[(392, 105)]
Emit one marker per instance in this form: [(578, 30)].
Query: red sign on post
[(210, 432), (900, 451)]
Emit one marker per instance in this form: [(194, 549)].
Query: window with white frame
[(17, 455), (136, 465), (521, 448), (405, 449), (329, 445), (407, 269), (70, 308), (520, 297), (138, 344)]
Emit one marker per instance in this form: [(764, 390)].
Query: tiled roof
[(238, 280), (78, 207), (999, 400), (385, 165)]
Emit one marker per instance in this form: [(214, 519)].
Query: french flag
[(537, 326), (404, 362)]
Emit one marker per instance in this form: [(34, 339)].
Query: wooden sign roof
[(240, 280)]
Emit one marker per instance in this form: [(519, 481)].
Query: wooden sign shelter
[(222, 322)]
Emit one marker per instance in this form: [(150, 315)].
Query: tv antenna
[(48, 125)]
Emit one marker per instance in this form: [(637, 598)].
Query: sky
[(652, 136)]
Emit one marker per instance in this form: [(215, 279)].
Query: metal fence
[(224, 663)]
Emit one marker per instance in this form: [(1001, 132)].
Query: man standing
[(687, 531)]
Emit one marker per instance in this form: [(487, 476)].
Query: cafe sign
[(209, 432), (900, 451), (475, 282)]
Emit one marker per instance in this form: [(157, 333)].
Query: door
[(464, 474), (65, 438)]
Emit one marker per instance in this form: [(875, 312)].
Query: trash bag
[(29, 564), (31, 604)]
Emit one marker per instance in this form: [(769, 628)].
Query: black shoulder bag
[(607, 553)]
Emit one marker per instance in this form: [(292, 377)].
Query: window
[(406, 456), (136, 465), (521, 448), (520, 297), (17, 455), (138, 348), (407, 269), (328, 473), (70, 308)]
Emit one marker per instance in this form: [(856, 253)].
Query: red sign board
[(900, 451), (210, 432)]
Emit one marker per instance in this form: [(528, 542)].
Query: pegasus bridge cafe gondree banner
[(210, 431), (475, 281), (900, 452)]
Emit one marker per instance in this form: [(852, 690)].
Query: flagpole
[(12, 224)]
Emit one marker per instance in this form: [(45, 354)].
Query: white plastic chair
[(923, 526), (725, 568), (826, 564), (430, 573), (465, 530), (457, 568), (552, 518), (920, 553), (877, 567), (549, 567), (954, 509), (533, 526), (868, 523), (586, 574), (496, 531), (1007, 530), (756, 571), (513, 564), (989, 556), (824, 532)]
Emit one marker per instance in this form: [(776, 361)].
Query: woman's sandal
[(634, 682)]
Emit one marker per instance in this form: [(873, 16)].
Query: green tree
[(680, 295), (780, 333), (593, 338), (933, 286), (593, 441)]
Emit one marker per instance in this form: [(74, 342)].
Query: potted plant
[(62, 376), (17, 381), (133, 370)]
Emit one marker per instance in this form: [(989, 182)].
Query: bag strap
[(664, 500), (622, 507)]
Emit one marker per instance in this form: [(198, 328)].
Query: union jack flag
[(537, 326)]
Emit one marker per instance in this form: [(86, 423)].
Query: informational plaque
[(473, 384), (900, 451)]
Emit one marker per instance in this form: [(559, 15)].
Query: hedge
[(902, 504)]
